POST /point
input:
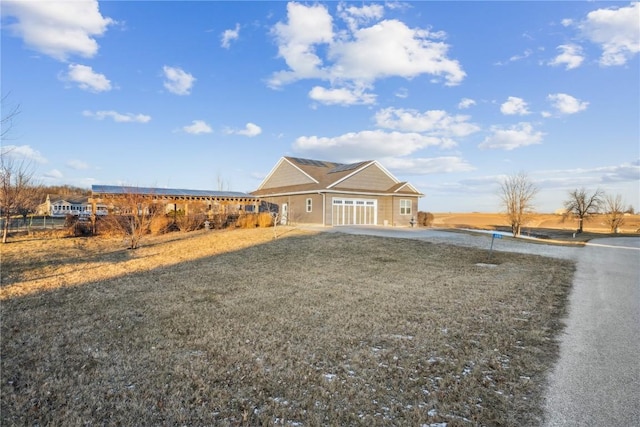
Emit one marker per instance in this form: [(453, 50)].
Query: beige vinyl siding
[(404, 219), (285, 175), (371, 178), (297, 207)]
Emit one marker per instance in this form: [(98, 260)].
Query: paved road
[(596, 381)]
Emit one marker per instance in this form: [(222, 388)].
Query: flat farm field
[(549, 226), (237, 328)]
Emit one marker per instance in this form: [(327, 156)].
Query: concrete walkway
[(596, 381)]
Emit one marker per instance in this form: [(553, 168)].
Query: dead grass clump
[(253, 220), (237, 328), (160, 224), (265, 219)]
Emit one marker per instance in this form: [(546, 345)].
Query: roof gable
[(367, 176), (293, 175), (286, 173)]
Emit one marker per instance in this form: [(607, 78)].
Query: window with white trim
[(405, 207), (309, 205)]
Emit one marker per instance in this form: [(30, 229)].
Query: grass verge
[(309, 329)]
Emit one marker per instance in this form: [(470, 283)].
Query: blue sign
[(497, 236)]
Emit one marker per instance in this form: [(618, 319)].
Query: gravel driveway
[(475, 240), (596, 381)]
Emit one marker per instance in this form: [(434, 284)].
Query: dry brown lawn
[(236, 328)]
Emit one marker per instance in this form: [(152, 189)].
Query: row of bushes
[(113, 224)]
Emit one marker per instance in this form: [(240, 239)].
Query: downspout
[(393, 208), (324, 209)]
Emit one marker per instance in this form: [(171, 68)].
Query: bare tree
[(583, 204), (614, 211), (6, 124), (517, 193), (134, 214), (17, 192)]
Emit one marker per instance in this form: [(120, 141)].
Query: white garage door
[(354, 212)]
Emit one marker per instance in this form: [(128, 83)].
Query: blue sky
[(450, 96)]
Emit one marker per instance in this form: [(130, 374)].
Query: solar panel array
[(344, 168), (116, 189), (309, 162)]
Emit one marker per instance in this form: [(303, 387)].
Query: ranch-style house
[(332, 194), (61, 206)]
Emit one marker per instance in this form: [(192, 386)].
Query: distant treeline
[(65, 190)]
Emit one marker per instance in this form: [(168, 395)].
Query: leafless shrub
[(75, 226), (425, 219), (189, 222), (133, 217)]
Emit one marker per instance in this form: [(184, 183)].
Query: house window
[(309, 205), (405, 207)]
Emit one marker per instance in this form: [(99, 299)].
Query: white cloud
[(356, 16), (527, 53), (177, 80), (58, 29), (616, 31), (77, 164), (436, 123), (54, 174), (623, 172), (118, 117), (567, 104), (424, 166), (250, 130), (516, 136), (570, 56), (23, 152), (341, 96), (306, 27), (361, 55), (229, 35), (567, 179), (86, 78), (197, 127), (390, 48), (402, 93), (514, 106), (364, 145), (466, 103)]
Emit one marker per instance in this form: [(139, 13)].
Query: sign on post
[(493, 237)]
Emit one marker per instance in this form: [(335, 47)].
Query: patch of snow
[(482, 264), (329, 377)]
